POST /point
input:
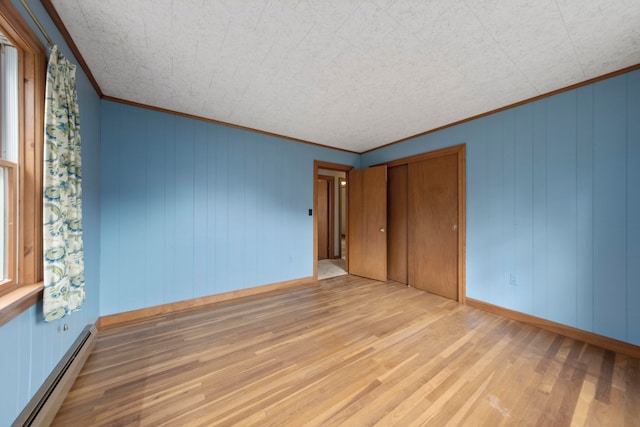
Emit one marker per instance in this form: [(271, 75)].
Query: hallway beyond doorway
[(331, 268)]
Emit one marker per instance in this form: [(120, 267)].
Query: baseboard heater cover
[(44, 405)]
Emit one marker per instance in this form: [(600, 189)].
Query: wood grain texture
[(454, 149), (61, 386), (433, 225), (8, 281), (317, 164), (578, 334), (31, 88), (342, 213), (322, 212), (144, 313), (368, 222), (31, 92), (348, 351), (460, 152), (325, 213), (397, 224), (17, 301), (462, 223)]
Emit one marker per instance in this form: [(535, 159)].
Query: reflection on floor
[(330, 268)]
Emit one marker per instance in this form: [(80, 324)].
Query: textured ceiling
[(349, 74)]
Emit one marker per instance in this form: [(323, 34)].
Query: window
[(8, 224), (22, 88), (8, 160)]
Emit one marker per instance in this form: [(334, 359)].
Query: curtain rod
[(37, 22)]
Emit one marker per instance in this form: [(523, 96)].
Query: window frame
[(9, 283), (32, 63)]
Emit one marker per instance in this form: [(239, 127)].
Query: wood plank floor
[(348, 351)]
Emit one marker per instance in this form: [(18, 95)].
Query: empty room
[(320, 213)]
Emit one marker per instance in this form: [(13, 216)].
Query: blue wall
[(553, 197), (188, 208), (191, 208), (30, 347)]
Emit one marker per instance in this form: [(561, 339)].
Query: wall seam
[(626, 208), (577, 177), (593, 209)]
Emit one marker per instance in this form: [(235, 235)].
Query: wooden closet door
[(368, 222), (397, 224), (432, 225)]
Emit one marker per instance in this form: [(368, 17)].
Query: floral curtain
[(62, 213)]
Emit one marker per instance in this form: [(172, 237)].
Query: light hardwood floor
[(348, 351)]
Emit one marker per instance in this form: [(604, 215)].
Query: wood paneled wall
[(552, 205), (191, 208), (31, 348)]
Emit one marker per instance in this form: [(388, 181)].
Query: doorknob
[(455, 227), (382, 229)]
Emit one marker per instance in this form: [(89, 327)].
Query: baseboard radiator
[(44, 405)]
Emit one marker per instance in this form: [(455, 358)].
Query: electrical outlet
[(513, 280)]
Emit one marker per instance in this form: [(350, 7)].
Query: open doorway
[(325, 213), (330, 220)]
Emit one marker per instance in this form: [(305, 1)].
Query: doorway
[(325, 201), (420, 201), (330, 220)]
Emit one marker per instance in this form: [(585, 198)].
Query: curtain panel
[(62, 213)]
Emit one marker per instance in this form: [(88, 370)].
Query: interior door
[(368, 222), (433, 228), (323, 218)]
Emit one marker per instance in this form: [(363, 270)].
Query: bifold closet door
[(432, 225)]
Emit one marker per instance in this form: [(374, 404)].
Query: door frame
[(460, 151), (340, 206), (318, 164)]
